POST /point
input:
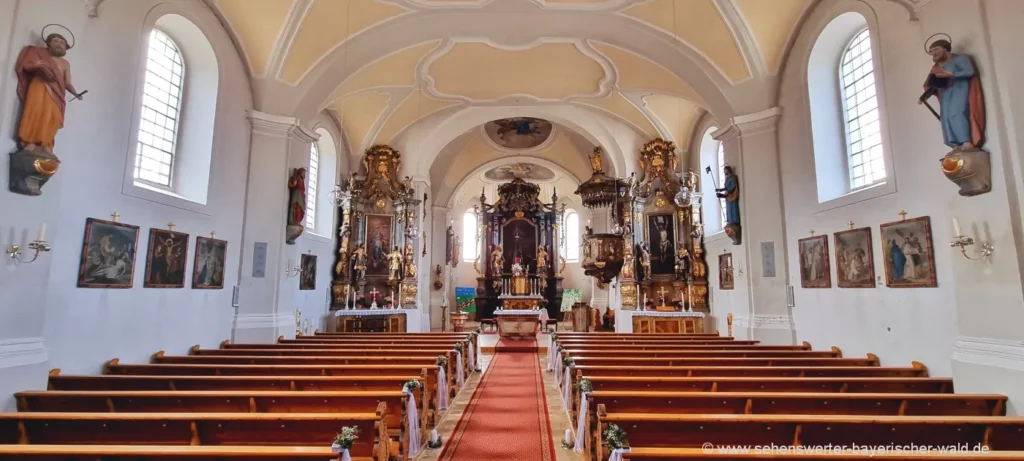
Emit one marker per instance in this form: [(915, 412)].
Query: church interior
[(470, 230)]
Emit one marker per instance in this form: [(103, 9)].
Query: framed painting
[(814, 264), (909, 255), (307, 272), (662, 237), (208, 267), (855, 261), (165, 259), (108, 254), (726, 279), (378, 244)]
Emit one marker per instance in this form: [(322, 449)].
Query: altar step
[(515, 345)]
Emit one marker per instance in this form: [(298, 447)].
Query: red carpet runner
[(507, 418)]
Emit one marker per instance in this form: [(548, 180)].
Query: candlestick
[(957, 231), (42, 233)]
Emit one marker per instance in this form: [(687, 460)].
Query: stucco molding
[(764, 322), (992, 352), (280, 126), (251, 321), (20, 352)]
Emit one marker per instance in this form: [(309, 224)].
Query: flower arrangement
[(584, 385), (345, 439), (459, 346), (615, 438), (568, 361), (442, 361), (411, 385)]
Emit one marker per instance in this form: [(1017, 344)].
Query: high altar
[(375, 272), (519, 247)]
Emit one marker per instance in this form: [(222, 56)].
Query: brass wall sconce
[(39, 245), (960, 240)]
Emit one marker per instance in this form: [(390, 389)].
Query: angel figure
[(542, 258), (394, 264), (628, 263), (497, 261)]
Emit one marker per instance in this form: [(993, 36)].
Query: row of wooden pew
[(701, 396), (278, 401)]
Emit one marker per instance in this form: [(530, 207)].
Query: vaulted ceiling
[(382, 67)]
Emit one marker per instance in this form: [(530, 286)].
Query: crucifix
[(374, 293), (171, 225), (115, 216), (661, 296), (903, 215)]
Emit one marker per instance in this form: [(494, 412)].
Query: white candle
[(956, 228), (42, 232)]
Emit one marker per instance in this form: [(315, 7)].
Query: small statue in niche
[(44, 76), (542, 259), (731, 193), (645, 260), (394, 264), (595, 160), (359, 258), (497, 261), (410, 260), (296, 205), (682, 263), (628, 263), (955, 82)]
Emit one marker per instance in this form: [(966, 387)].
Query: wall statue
[(731, 193), (296, 205), (954, 81), (44, 77)]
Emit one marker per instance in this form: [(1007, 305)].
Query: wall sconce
[(39, 245), (290, 271), (963, 241)]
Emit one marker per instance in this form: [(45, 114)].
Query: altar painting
[(378, 244), (519, 240), (661, 235)]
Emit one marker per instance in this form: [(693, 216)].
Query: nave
[(621, 396)]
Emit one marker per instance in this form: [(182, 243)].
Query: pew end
[(109, 363), (807, 345), (224, 343), (193, 350), (920, 366), (874, 358), (839, 352)]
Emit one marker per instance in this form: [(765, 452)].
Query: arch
[(457, 191), (326, 177), (571, 242), (709, 153)]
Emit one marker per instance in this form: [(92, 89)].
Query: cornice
[(765, 322), (750, 124), (280, 126), (990, 352), (22, 351)]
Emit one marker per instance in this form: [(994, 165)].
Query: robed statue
[(542, 259), (395, 264), (954, 80), (645, 260), (730, 191), (44, 78), (296, 205), (359, 260), (497, 261)]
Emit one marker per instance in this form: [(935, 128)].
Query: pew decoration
[(442, 384), (616, 441), (412, 416), (344, 440), (435, 440), (567, 381), (584, 387)]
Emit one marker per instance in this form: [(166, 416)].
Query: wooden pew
[(870, 361), (233, 402), (762, 384), (658, 346), (170, 453), (612, 334), (336, 352), (160, 358), (286, 429), (693, 431), (655, 342), (741, 353), (662, 454), (383, 338), (784, 403), (59, 382)]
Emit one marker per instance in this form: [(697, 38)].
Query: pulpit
[(459, 321), (581, 317)]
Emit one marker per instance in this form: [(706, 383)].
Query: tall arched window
[(572, 236), (311, 181), (721, 177), (161, 111), (469, 228), (865, 162), (712, 156)]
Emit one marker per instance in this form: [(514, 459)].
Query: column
[(751, 148), (265, 310), (600, 222), (440, 219)]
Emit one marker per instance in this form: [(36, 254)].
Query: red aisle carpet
[(516, 345), (507, 418)]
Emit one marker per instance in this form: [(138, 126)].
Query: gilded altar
[(668, 322)]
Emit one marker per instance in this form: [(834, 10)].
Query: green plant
[(459, 347), (615, 438), (568, 361), (442, 361), (584, 386), (346, 437), (411, 385)]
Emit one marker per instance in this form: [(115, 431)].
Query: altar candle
[(958, 232), (42, 232)]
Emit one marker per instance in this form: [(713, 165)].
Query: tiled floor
[(558, 416)]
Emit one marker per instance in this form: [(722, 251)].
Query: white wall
[(77, 329), (972, 299)]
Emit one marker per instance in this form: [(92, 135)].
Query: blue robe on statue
[(955, 114), (732, 201), (899, 260)]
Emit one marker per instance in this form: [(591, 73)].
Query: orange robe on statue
[(42, 96)]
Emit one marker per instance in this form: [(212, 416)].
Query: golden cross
[(171, 225), (662, 293), (213, 234), (116, 215), (850, 224), (903, 215)]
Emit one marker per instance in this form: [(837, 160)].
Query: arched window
[(712, 155), (572, 236), (469, 228), (161, 111), (311, 181), (860, 112)]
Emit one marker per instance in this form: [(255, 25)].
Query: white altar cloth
[(667, 314), (541, 313), (370, 312)]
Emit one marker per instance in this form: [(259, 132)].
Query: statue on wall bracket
[(731, 193), (954, 81), (296, 205), (44, 77)]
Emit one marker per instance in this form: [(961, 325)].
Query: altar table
[(367, 320), (520, 323), (668, 322)]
